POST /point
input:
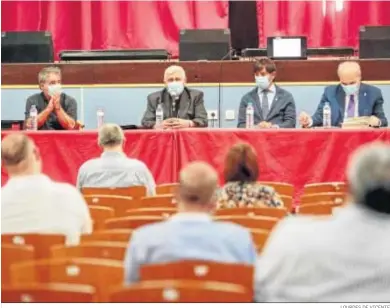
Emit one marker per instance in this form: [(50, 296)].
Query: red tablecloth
[(294, 156)]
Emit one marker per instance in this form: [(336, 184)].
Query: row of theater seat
[(43, 261)]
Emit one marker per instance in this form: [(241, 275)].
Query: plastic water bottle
[(100, 117), (159, 116), (327, 116), (249, 116), (34, 118)]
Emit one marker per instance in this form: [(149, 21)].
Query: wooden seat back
[(252, 211), (99, 215), (119, 204), (113, 235), (99, 250), (256, 222), (12, 254), (327, 187), (41, 242), (181, 292), (169, 188), (48, 293), (131, 222), (102, 274), (135, 192)]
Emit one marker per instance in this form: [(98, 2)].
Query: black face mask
[(378, 199)]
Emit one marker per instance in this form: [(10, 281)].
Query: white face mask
[(262, 82), (54, 89), (175, 88)]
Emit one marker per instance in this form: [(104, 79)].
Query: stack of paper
[(358, 122)]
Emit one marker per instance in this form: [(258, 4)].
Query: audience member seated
[(242, 189), (192, 233), (344, 258), (33, 203), (113, 168)]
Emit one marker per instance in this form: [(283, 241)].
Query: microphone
[(219, 84), (175, 98)]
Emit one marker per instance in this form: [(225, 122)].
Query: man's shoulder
[(67, 98), (231, 230), (302, 230), (135, 163), (154, 95), (250, 93), (283, 91), (90, 163), (146, 232), (195, 92), (35, 97), (370, 88), (332, 89), (63, 187)]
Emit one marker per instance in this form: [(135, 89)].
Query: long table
[(294, 156)]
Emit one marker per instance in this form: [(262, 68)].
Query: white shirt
[(115, 169), (340, 258), (36, 204), (271, 92), (347, 100)]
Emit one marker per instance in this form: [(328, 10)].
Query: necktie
[(265, 104), (351, 107)]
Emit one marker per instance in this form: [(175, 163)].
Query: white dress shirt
[(340, 258), (36, 204), (115, 169)]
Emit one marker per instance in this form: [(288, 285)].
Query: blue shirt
[(188, 236)]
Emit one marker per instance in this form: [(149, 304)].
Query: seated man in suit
[(273, 106), (56, 110), (182, 107), (192, 233), (349, 99)]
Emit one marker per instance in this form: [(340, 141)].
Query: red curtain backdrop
[(114, 24), (326, 23), (156, 24)]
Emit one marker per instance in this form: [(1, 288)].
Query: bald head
[(198, 183), (349, 72), (368, 168), (19, 155)]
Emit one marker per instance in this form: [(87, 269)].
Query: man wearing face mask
[(273, 106), (182, 107), (350, 99), (56, 110)]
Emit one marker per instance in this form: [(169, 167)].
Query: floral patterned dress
[(251, 194)]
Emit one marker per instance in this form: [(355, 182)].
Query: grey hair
[(173, 69), (369, 167), (349, 65), (46, 71), (110, 135)]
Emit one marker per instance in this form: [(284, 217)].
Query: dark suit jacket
[(191, 107), (370, 103), (282, 113)]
